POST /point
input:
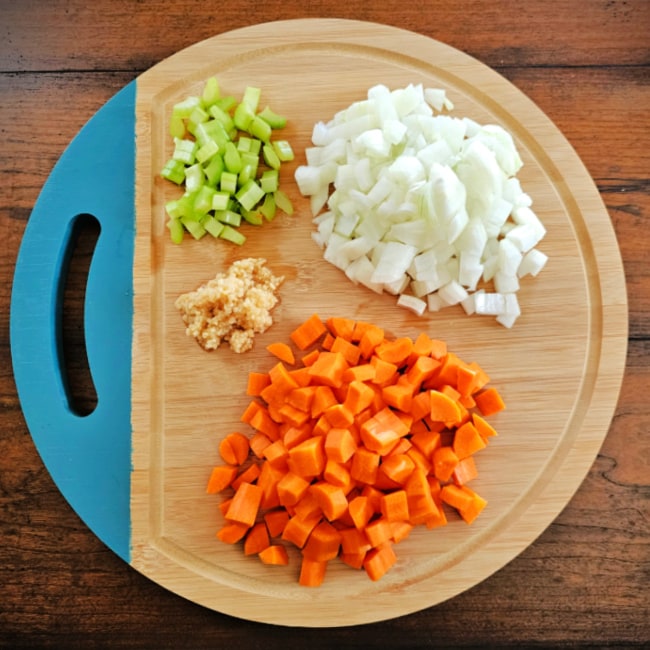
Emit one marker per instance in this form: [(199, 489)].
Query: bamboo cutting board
[(559, 369)]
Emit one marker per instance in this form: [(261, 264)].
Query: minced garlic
[(232, 307)]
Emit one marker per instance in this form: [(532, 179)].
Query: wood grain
[(584, 582)]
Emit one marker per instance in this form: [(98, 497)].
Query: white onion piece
[(423, 205)]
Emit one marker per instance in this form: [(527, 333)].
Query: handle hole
[(78, 381)]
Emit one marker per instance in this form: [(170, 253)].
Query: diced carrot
[(309, 358), (276, 520), (394, 506), (483, 427), (350, 352), (232, 532), (364, 465), (275, 554), (401, 530), (327, 342), (353, 541), (444, 408), (361, 511), (398, 396), (359, 396), (339, 475), (234, 448), (281, 381), (245, 504), (378, 531), (422, 369), (291, 415), (372, 336), (257, 539), (264, 423), (353, 560), (445, 461), (398, 467), (330, 498), (465, 471), (396, 351), (312, 572), (293, 436), (323, 543), (342, 327), (298, 529), (302, 398), (385, 371), (308, 332), (339, 415), (282, 351), (308, 458), (426, 441), (328, 369), (323, 398), (467, 441), (258, 443), (379, 560), (221, 477), (248, 475), (362, 372), (291, 488), (489, 401), (257, 382), (339, 445)]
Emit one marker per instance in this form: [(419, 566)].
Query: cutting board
[(136, 468)]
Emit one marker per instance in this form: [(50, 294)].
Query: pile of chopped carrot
[(354, 443)]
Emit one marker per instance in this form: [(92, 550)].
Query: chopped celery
[(176, 230), (283, 150), (274, 120), (283, 202), (249, 194), (218, 146), (269, 181), (232, 235), (210, 92), (270, 157)]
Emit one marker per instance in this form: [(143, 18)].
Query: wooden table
[(584, 581)]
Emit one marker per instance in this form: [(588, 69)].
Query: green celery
[(213, 170), (254, 217), (252, 97), (176, 127), (203, 200), (174, 171), (185, 151), (243, 116), (283, 202), (211, 130), (194, 177), (231, 158), (176, 230), (232, 235), (244, 144), (269, 181), (198, 116), (220, 200), (222, 116), (207, 151), (184, 109), (228, 182), (249, 194), (268, 208), (259, 129), (193, 227), (229, 217), (270, 157), (283, 150), (274, 120), (227, 103), (212, 225), (210, 92)]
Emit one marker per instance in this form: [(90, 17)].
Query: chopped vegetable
[(218, 146), (368, 438), (419, 204)]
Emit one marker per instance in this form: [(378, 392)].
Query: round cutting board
[(164, 403)]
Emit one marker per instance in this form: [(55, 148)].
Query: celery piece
[(274, 120), (254, 217), (283, 202), (226, 103), (222, 116), (269, 181), (176, 230), (249, 194), (197, 116), (256, 146), (220, 200), (211, 130), (181, 207), (184, 109), (207, 151), (214, 227), (174, 171), (232, 235), (229, 217), (268, 207), (247, 173), (176, 127), (252, 97), (210, 92), (213, 170), (228, 182), (194, 177), (259, 129), (184, 151), (283, 150), (244, 144), (203, 200), (193, 227), (270, 157), (243, 116), (231, 158)]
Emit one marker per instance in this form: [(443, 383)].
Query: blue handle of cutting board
[(89, 458)]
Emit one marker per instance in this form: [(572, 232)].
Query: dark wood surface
[(585, 580)]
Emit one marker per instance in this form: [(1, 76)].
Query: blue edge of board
[(88, 457)]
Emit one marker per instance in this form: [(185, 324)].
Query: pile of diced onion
[(425, 206)]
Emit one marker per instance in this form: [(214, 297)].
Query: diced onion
[(414, 202)]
